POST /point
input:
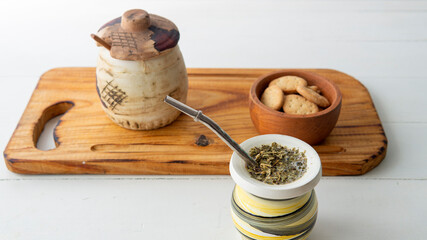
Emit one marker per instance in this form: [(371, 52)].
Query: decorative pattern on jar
[(264, 211), (140, 64)]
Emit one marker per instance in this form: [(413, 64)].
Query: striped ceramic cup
[(263, 211)]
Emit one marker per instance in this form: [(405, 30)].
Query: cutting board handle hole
[(44, 136)]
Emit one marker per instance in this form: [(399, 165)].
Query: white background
[(381, 43)]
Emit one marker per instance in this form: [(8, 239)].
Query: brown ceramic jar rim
[(299, 73)]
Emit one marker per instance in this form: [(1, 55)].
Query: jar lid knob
[(135, 20)]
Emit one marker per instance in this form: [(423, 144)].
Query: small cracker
[(295, 104), (273, 97), (314, 88), (289, 84), (313, 96), (274, 82)]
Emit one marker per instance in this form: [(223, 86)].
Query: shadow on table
[(329, 229)]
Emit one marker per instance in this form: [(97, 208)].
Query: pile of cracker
[(294, 96)]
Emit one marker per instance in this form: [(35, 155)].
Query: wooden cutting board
[(89, 143)]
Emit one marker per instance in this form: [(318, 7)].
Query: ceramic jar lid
[(137, 35), (290, 190)]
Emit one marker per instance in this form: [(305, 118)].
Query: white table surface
[(381, 43)]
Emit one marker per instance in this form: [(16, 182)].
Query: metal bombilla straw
[(198, 116)]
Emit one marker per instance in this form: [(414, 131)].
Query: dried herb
[(277, 164)]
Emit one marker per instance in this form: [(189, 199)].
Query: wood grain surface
[(89, 143)]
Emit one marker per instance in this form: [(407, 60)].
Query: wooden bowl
[(311, 128)]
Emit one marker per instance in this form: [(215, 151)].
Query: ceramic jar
[(140, 63), (263, 211)]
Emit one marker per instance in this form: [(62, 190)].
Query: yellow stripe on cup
[(251, 232), (268, 208), (312, 213)]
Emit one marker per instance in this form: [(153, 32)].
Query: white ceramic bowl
[(290, 190)]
